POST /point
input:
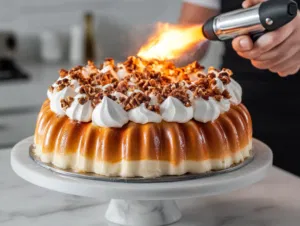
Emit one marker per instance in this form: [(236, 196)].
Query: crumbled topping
[(135, 100), (89, 90), (211, 75), (226, 94), (60, 87), (109, 60), (63, 73), (212, 69), (122, 87), (107, 78), (76, 69), (154, 108), (193, 67), (66, 103), (181, 94), (228, 71), (200, 92), (224, 77), (83, 100), (142, 79), (51, 89), (65, 82), (218, 97)]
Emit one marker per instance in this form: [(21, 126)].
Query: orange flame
[(170, 42)]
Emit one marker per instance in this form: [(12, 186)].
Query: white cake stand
[(144, 204)]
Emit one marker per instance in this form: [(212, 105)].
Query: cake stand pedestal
[(147, 204)]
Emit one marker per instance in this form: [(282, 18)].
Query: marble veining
[(275, 201), (146, 213)]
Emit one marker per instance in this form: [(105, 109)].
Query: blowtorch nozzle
[(255, 21)]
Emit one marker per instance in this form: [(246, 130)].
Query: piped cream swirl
[(143, 115), (173, 110), (109, 114), (73, 84), (55, 100), (80, 112), (219, 85), (235, 91), (206, 110), (224, 105)]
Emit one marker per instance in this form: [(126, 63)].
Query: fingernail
[(244, 44)]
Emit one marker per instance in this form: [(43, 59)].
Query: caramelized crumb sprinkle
[(51, 88), (63, 73), (160, 78), (66, 103), (82, 100), (226, 94)]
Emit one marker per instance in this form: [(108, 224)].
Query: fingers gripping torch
[(255, 21)]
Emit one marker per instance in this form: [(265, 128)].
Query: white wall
[(121, 24)]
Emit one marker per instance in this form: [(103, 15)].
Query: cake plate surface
[(147, 204)]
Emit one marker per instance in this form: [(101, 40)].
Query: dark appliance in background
[(9, 70)]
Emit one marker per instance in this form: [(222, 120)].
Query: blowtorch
[(255, 21)]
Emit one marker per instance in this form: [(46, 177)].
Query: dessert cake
[(143, 118)]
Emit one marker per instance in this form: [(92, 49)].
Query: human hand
[(277, 51)]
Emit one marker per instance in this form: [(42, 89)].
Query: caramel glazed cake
[(143, 118)]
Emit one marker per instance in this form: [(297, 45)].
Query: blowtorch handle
[(277, 13)]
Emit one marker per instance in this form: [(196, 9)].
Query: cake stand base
[(147, 204), (146, 213)]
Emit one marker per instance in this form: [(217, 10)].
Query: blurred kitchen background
[(38, 37)]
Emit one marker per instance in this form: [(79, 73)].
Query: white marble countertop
[(275, 201)]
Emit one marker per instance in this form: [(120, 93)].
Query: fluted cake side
[(147, 150)]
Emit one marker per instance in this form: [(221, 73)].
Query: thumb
[(242, 43)]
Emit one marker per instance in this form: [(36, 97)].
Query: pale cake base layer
[(142, 168)]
